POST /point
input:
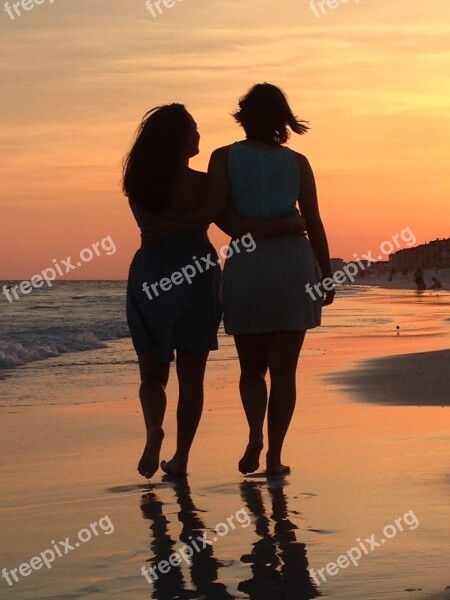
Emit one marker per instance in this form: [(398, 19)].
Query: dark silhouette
[(278, 561), (437, 285), (181, 314), (419, 279), (167, 586), (173, 210), (266, 304), (203, 566)]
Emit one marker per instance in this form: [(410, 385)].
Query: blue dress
[(264, 290), (180, 307)]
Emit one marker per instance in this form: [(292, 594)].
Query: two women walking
[(256, 186)]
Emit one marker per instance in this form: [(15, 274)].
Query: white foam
[(28, 347)]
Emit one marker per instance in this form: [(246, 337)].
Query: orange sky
[(77, 75)]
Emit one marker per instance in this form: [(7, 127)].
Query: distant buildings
[(359, 268), (378, 269), (337, 264), (433, 255)]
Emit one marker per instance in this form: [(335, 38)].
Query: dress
[(182, 309), (264, 290)]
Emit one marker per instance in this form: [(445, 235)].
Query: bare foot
[(149, 463), (249, 463), (176, 466), (274, 468)]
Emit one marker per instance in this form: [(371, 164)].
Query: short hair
[(266, 116)]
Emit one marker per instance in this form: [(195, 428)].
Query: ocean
[(78, 329)]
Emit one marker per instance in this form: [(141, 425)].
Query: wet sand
[(420, 379), (357, 466)]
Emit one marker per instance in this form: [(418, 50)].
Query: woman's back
[(189, 189), (264, 183)]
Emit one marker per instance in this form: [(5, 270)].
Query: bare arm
[(309, 207), (215, 208), (236, 226), (213, 202), (211, 207)]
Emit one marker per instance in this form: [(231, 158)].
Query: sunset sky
[(371, 77)]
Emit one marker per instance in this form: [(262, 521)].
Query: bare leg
[(191, 373), (154, 377), (284, 350), (252, 351)]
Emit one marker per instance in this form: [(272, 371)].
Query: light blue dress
[(264, 290)]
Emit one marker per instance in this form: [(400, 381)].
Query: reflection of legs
[(252, 351), (263, 558), (283, 353), (203, 566), (191, 371), (252, 496), (171, 583), (154, 377), (296, 580)]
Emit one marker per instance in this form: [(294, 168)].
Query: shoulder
[(195, 180), (221, 154), (189, 179), (219, 160), (196, 175), (304, 164), (302, 160)]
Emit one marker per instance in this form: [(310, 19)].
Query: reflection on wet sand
[(278, 563), (203, 565)]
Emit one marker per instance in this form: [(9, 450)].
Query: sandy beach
[(364, 451)]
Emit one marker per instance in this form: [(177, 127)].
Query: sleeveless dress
[(264, 290), (183, 309)]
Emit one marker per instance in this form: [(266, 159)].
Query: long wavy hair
[(266, 116), (150, 166)]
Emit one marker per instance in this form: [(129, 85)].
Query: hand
[(156, 231), (298, 223)]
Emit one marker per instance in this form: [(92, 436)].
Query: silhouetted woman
[(266, 304), (169, 309)]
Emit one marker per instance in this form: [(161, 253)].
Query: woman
[(170, 309), (172, 298), (266, 306)]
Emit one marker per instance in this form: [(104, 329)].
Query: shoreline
[(406, 282)]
